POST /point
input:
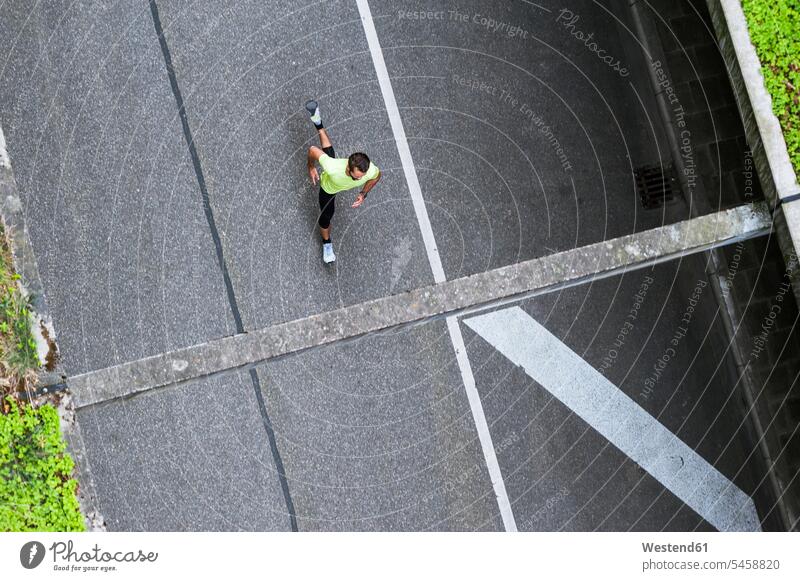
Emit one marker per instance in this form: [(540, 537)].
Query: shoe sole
[(311, 106)]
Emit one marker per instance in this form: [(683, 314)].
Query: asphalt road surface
[(142, 161)]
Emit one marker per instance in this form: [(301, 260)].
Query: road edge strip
[(13, 216)]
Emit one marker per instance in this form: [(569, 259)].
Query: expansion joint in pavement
[(456, 297), (198, 168), (212, 225)]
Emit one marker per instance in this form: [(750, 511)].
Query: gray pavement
[(499, 191), (185, 459), (376, 434), (109, 192), (252, 134)]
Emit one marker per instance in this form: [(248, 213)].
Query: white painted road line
[(4, 161), (482, 426), (435, 262), (618, 418), (399, 131)]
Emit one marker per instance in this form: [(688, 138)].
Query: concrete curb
[(25, 264), (87, 493), (458, 296), (763, 130), (25, 260)]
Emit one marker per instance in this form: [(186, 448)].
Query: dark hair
[(358, 161)]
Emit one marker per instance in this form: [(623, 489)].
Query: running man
[(338, 175)]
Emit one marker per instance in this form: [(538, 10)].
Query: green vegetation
[(18, 358), (775, 32), (37, 491)]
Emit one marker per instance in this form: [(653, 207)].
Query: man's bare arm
[(314, 153), (368, 185)]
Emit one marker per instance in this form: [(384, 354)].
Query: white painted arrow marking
[(618, 418)]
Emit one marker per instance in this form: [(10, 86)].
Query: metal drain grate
[(656, 185)]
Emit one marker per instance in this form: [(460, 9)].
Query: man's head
[(357, 165)]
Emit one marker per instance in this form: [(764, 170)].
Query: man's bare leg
[(324, 141)]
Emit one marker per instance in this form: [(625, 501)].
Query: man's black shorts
[(327, 202)]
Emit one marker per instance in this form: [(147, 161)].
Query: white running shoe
[(327, 253), (313, 109)]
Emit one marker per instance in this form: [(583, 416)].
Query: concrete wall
[(773, 378)]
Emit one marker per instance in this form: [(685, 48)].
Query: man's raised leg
[(324, 140), (327, 201)]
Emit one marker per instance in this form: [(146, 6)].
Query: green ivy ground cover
[(37, 491), (775, 31)]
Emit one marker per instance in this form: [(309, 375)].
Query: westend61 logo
[(65, 558)]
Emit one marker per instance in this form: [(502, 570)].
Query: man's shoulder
[(331, 162), (333, 159)]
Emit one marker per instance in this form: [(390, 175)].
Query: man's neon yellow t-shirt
[(334, 179)]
